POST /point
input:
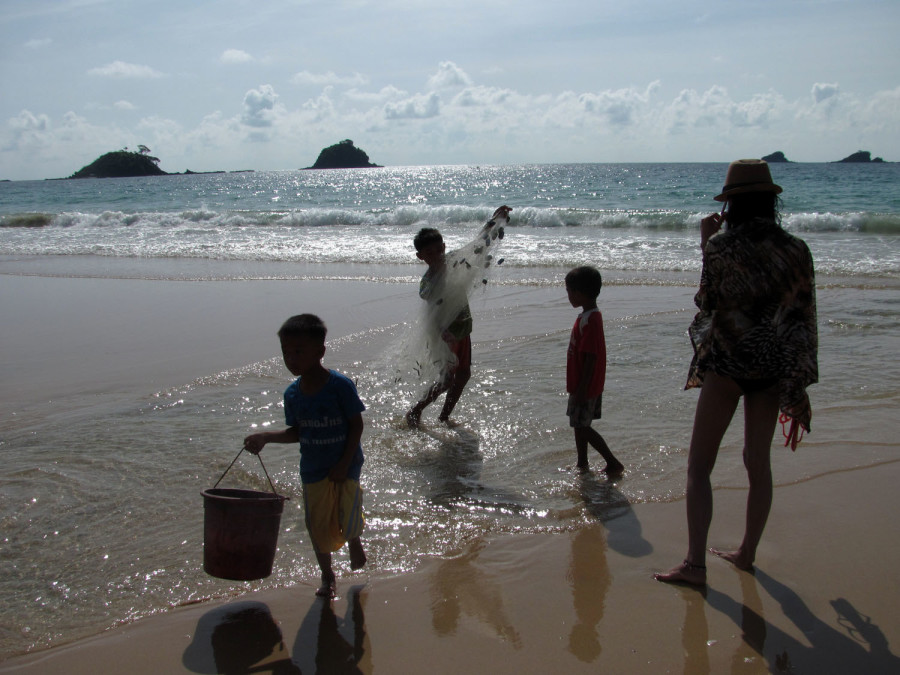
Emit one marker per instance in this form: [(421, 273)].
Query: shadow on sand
[(605, 503), (858, 646), (243, 637)]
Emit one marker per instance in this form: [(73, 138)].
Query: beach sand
[(822, 600)]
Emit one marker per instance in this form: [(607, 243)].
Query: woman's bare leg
[(760, 418), (718, 400)]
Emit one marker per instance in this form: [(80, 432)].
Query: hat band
[(734, 186)]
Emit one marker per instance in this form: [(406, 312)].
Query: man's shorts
[(462, 350), (582, 415), (462, 359)]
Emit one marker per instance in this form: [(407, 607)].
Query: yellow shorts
[(333, 513)]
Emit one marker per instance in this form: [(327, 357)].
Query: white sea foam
[(847, 244)]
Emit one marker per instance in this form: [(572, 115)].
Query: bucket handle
[(261, 464)]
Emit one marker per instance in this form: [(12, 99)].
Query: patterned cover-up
[(757, 317)]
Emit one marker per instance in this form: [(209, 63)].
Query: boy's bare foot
[(412, 419), (736, 558), (685, 573), (328, 589), (450, 423), (357, 554), (614, 469)]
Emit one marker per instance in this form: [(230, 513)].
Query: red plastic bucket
[(240, 532)]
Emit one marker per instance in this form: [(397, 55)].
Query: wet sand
[(823, 599), (80, 340)]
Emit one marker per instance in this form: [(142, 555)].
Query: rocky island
[(122, 164), (776, 158), (343, 155), (860, 157)]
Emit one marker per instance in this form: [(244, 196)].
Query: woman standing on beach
[(754, 336)]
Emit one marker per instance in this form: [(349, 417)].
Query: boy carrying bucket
[(324, 413)]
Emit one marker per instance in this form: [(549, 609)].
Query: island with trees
[(122, 164), (343, 155)]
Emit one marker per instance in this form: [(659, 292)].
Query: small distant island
[(777, 158), (122, 164), (343, 155), (126, 163), (860, 157)]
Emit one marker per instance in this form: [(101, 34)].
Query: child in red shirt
[(586, 367)]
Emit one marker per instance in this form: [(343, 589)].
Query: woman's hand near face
[(709, 226)]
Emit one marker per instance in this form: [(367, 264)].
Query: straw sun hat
[(747, 175)]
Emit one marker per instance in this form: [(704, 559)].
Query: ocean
[(102, 522)]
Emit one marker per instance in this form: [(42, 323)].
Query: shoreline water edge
[(141, 349)]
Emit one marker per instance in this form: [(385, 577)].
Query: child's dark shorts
[(582, 415)]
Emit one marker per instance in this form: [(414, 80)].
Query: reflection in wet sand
[(461, 586), (589, 578)]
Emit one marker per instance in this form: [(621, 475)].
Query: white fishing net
[(421, 356)]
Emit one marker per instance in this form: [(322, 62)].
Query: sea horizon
[(190, 172)]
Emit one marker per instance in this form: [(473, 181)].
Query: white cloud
[(514, 85), (620, 107), (61, 148), (121, 69), (26, 130), (329, 78), (124, 105), (321, 108), (389, 93), (27, 121), (260, 106), (471, 124), (448, 76), (475, 97), (879, 115), (420, 106), (235, 56), (822, 91), (761, 111), (159, 132)]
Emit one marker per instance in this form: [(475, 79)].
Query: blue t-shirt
[(322, 421)]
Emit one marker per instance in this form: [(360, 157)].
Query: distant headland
[(343, 155)]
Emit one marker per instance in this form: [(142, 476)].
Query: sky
[(230, 85)]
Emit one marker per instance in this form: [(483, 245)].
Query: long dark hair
[(750, 206)]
